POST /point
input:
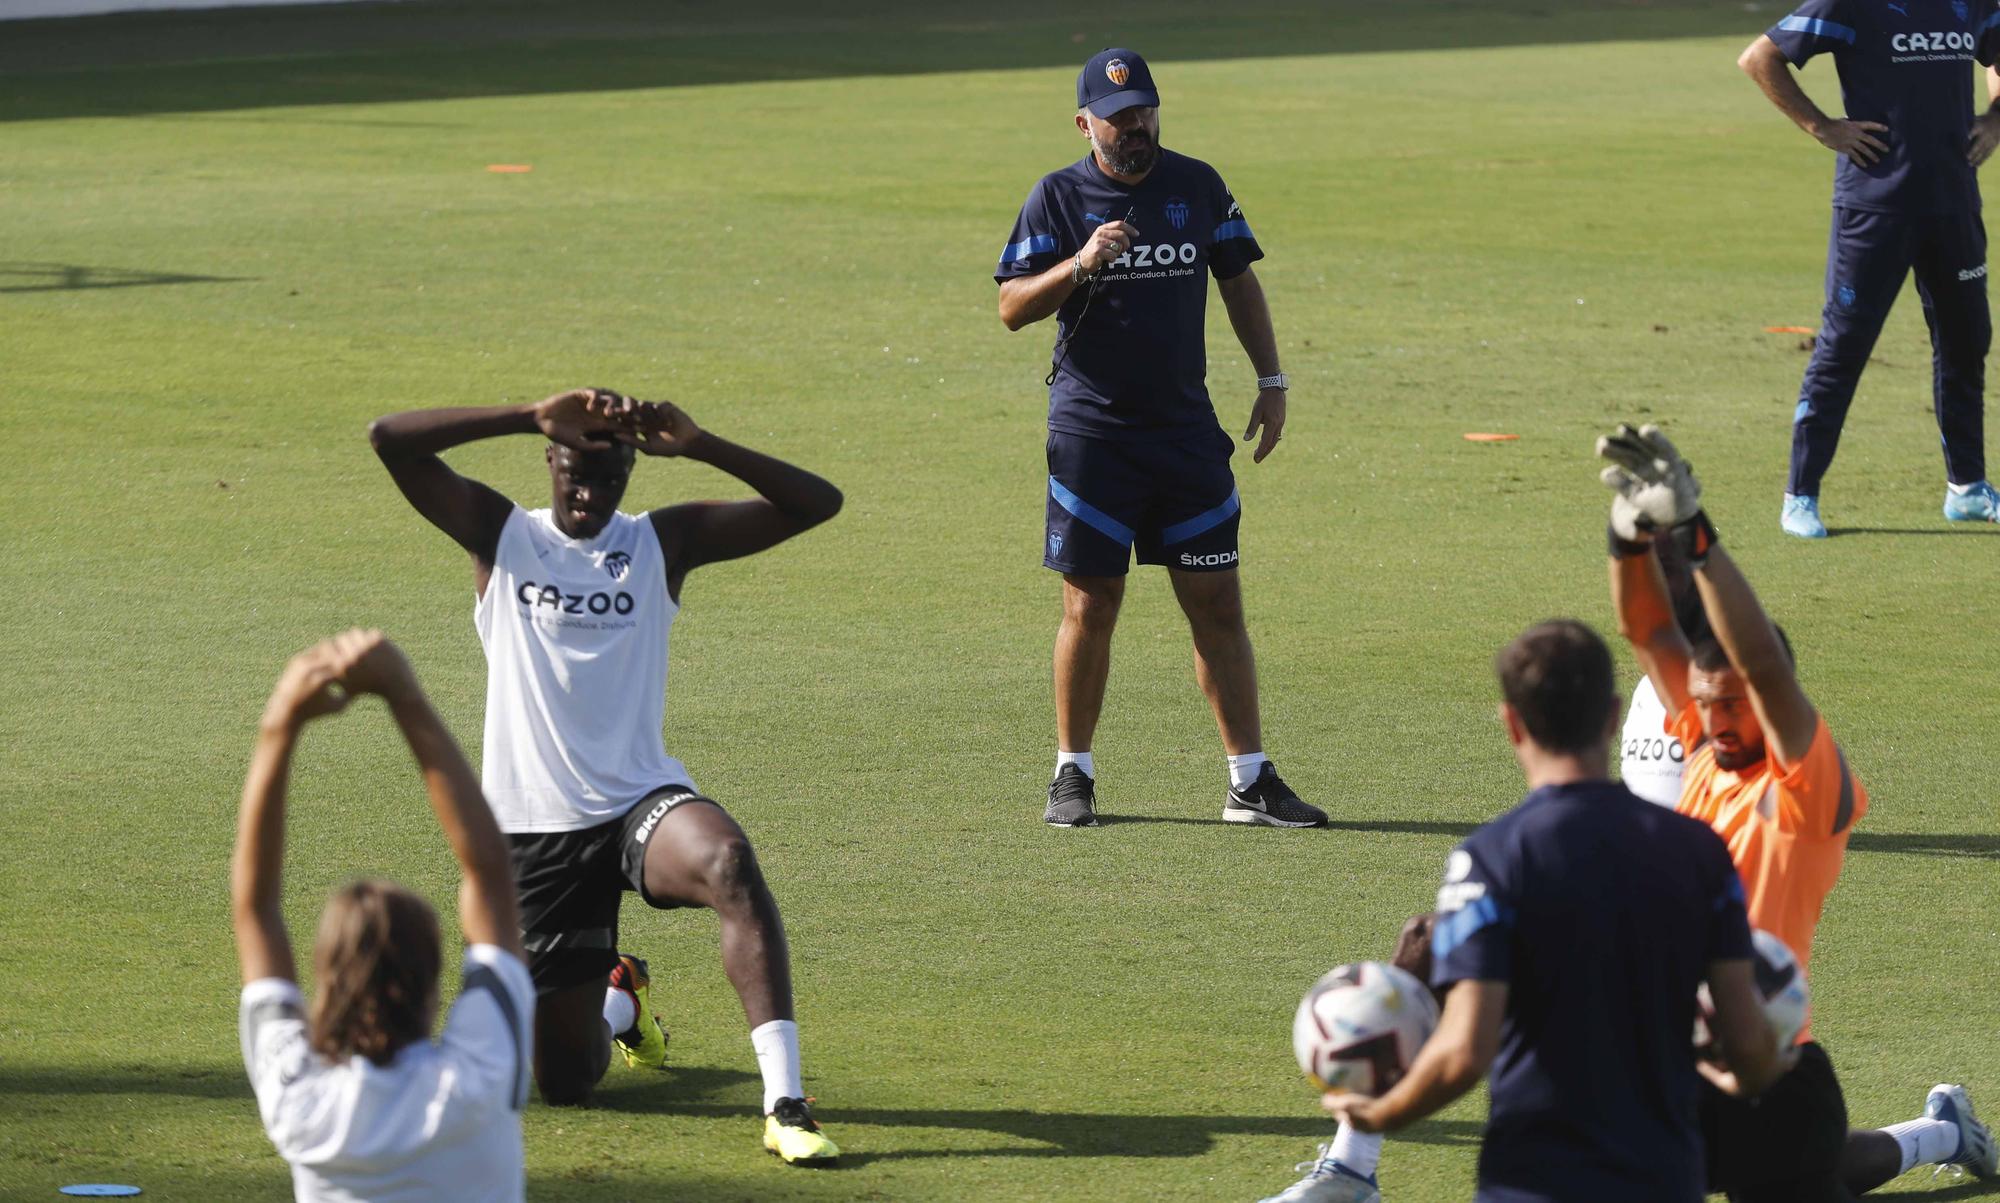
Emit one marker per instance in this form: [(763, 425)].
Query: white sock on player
[(1924, 1142), (1358, 1151), (777, 1045), (1080, 759), (619, 1011), (1244, 769)]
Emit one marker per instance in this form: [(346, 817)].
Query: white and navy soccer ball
[(1781, 988), (1359, 1027)]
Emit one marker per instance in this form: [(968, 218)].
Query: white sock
[(1080, 759), (1244, 769), (1924, 1142), (1358, 1151), (1960, 491), (777, 1045), (620, 1012)]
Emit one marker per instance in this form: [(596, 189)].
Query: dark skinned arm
[(471, 513), (791, 499)]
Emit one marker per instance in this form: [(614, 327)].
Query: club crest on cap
[(1117, 72)]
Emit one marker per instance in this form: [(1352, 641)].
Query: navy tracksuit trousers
[(1867, 257)]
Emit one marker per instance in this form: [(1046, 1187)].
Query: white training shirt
[(1650, 760), (441, 1121), (575, 632)]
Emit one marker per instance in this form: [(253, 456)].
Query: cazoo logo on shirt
[(1164, 254), (1905, 43), (532, 595)]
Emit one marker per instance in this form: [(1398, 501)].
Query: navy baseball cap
[(1115, 78)]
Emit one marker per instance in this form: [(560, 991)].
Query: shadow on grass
[(1040, 1133), (1973, 528), (67, 277), (1979, 846), (360, 53)]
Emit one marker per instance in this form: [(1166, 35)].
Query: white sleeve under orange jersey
[(1786, 826)]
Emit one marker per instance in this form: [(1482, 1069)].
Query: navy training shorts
[(1176, 501)]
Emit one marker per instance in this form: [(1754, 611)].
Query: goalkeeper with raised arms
[(1766, 774)]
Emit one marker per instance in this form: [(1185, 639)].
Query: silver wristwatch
[(1279, 381)]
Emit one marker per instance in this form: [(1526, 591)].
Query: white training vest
[(1650, 760), (575, 633)]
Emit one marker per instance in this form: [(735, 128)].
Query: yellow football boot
[(791, 1133), (645, 1046)]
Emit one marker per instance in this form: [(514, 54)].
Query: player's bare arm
[(1766, 64), (1646, 619), (308, 688), (409, 445), (1452, 1062), (1986, 127), (1250, 317), (1028, 299), (1751, 1060), (1746, 634), (488, 913), (791, 500)]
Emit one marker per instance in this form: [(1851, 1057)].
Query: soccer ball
[(1360, 1026), (1781, 988)]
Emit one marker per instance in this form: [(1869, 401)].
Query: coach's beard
[(1132, 154)]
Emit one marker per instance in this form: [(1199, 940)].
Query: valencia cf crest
[(1117, 72), (1055, 543), (1177, 212), (617, 564)]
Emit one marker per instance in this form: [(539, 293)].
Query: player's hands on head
[(1269, 413), (309, 687), (1107, 243), (660, 428), (580, 418), (1655, 487), (1855, 139), (1985, 136)]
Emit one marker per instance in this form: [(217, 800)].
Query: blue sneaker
[(1328, 1181), (1801, 517), (1976, 1153), (1977, 504)]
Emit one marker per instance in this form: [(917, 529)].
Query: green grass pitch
[(227, 240)]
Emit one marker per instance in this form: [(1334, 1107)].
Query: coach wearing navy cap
[(1119, 247)]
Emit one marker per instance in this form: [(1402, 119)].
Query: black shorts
[(1175, 501), (1784, 1145), (570, 883)]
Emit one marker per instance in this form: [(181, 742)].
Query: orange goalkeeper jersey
[(1786, 826)]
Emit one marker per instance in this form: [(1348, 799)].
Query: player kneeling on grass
[(1767, 775), (355, 1094), (575, 603), (1571, 935)]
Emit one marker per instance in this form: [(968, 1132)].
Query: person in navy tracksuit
[(1905, 197)]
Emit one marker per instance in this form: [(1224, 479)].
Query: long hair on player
[(376, 960)]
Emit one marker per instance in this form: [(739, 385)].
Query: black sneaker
[(1072, 799), (1269, 802)]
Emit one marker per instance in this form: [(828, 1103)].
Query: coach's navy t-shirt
[(1137, 364), (1602, 913), (1907, 65)]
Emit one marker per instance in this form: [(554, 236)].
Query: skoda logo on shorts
[(1177, 212), (617, 564)]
